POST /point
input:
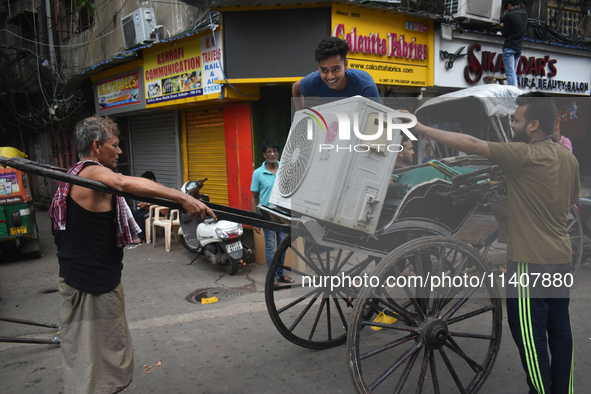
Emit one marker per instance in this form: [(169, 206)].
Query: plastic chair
[(160, 220), (149, 221)]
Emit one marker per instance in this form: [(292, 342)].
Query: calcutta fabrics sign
[(184, 71), (393, 49)]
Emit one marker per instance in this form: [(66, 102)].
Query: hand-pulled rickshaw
[(413, 296), (416, 299)]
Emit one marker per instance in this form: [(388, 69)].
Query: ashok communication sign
[(183, 71), (393, 49)]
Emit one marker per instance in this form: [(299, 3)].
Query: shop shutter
[(155, 145), (207, 152)]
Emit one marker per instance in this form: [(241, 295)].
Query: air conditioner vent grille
[(296, 157), (129, 36)]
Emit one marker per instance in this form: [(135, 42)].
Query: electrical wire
[(548, 34), (37, 62)]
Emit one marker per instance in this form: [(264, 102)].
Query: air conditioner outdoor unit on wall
[(138, 27), (345, 185), (479, 10)]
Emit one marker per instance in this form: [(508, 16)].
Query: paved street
[(226, 347)]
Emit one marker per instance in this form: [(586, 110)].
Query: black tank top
[(89, 258)]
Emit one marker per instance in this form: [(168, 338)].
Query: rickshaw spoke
[(444, 257), (434, 373), (387, 346), (345, 292), (422, 298), (302, 314), (293, 303), (453, 346), (406, 372), (327, 259), (453, 290), (390, 326), (318, 314), (308, 260), (470, 335), (411, 296), (396, 364), (310, 263), (452, 371), (323, 269), (358, 268), (341, 314), (423, 373), (438, 293), (460, 303), (328, 322), (294, 271), (340, 264), (470, 314), (394, 307)]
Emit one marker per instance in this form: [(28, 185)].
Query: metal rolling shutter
[(207, 152), (155, 147)]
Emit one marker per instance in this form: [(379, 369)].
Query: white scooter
[(220, 242)]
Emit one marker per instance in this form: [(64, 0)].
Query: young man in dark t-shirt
[(333, 77)]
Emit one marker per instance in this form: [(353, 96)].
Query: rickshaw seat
[(424, 174), (394, 195)]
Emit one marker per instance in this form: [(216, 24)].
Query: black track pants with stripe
[(540, 324)]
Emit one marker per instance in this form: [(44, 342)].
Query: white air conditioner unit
[(479, 10), (334, 179), (138, 27)]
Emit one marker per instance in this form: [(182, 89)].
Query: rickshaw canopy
[(495, 100)]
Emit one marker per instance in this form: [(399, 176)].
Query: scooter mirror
[(192, 188)]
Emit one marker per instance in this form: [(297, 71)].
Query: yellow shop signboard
[(183, 70), (394, 49)]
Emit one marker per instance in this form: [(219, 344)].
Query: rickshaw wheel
[(308, 312), (422, 331), (575, 233)]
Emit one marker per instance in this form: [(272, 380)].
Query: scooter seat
[(186, 218)]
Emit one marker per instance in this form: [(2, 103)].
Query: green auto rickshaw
[(18, 226)]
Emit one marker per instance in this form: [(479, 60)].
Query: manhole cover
[(222, 293)]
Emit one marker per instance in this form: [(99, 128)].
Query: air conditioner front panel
[(129, 37), (138, 27), (344, 182), (479, 10), (296, 158)]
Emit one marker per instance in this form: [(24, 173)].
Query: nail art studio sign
[(392, 48)]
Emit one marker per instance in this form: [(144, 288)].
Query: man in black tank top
[(91, 228)]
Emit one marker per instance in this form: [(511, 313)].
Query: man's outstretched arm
[(461, 142), (296, 93)]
